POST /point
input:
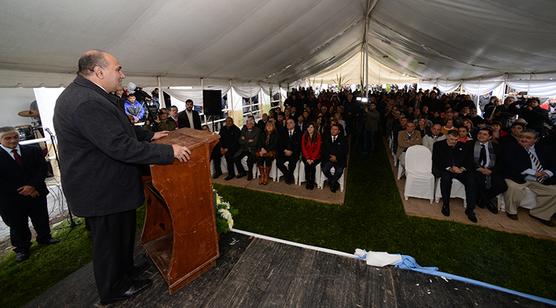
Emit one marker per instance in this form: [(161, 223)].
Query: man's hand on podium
[(159, 135), (181, 153)]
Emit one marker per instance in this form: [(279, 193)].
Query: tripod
[(72, 222)]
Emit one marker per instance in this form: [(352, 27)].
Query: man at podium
[(100, 152)]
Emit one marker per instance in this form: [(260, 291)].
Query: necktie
[(291, 133), (483, 156), (333, 139), (17, 158), (537, 164)]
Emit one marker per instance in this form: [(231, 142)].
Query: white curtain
[(482, 86), (246, 90), (535, 87), (427, 85), (447, 86)]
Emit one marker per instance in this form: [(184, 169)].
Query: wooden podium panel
[(180, 225)]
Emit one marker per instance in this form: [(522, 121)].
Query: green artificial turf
[(373, 218), (21, 282)]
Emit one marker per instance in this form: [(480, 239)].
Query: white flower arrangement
[(225, 212)]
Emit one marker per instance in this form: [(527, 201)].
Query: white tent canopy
[(276, 41)]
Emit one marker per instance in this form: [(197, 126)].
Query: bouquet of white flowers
[(224, 214)]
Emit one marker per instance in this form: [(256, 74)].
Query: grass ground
[(371, 218)]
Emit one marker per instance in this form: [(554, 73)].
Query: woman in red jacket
[(310, 147)]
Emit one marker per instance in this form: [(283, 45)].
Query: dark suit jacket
[(183, 120), (229, 138), (339, 148), (100, 152), (443, 156), (516, 160), (12, 176), (285, 142)]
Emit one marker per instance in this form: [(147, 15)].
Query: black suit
[(516, 160), (229, 139), (16, 209), (183, 120), (444, 157), (99, 158), (291, 143), (488, 187), (338, 148)]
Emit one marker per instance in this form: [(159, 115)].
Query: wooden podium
[(180, 229)]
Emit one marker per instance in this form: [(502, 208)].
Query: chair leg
[(261, 175)]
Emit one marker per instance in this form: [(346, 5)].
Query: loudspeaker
[(212, 102)]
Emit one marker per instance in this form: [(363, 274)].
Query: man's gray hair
[(6, 130)]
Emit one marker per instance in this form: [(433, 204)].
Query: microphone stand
[(72, 222)]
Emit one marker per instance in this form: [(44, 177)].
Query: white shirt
[(190, 117), (532, 171), (18, 149)]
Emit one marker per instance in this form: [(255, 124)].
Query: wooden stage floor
[(260, 273)]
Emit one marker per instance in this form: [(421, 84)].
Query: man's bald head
[(101, 68), (90, 59)]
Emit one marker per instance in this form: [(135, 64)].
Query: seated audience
[(531, 165), (488, 178), (448, 126), (406, 138), (434, 136), (311, 149), (334, 155), (248, 139), (289, 148), (266, 151), (229, 145), (164, 123), (463, 134), (451, 160)]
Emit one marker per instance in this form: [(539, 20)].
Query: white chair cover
[(419, 181)]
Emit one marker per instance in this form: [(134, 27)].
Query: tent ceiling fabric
[(350, 72), (464, 39), (280, 40)]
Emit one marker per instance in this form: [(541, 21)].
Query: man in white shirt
[(436, 135), (189, 117), (533, 166)]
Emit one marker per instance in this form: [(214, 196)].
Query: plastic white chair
[(301, 178), (322, 178), (458, 191), (419, 182)]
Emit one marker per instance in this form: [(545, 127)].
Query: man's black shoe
[(137, 287), (333, 187), (544, 222), (472, 217), (229, 177), (21, 256), (445, 210), (241, 174), (492, 207), (49, 242), (511, 216), (249, 176), (217, 175)]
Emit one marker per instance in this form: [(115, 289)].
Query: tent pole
[(160, 95)]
